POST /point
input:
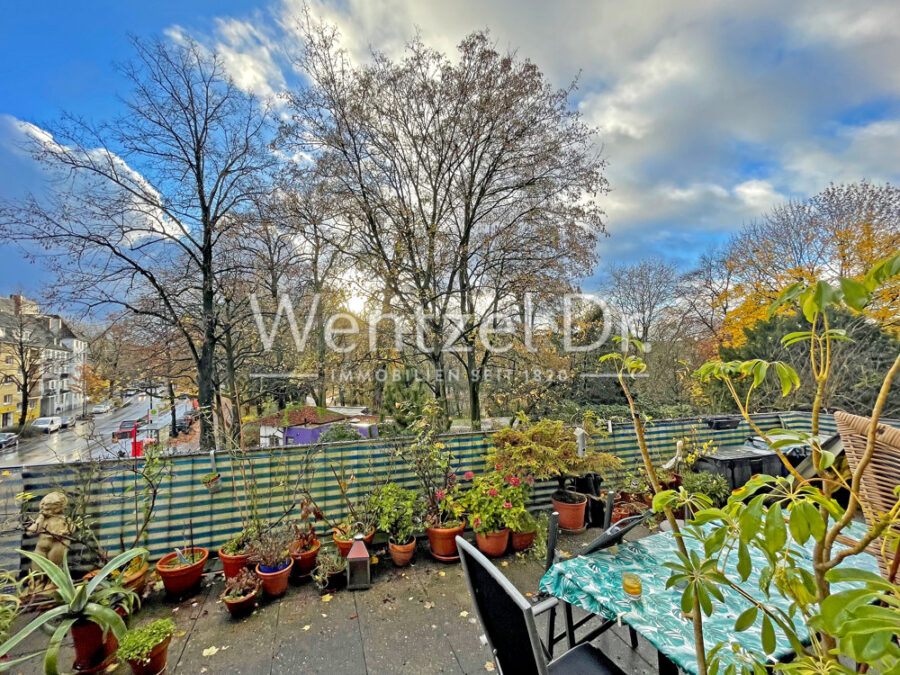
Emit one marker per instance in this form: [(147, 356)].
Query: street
[(66, 446)]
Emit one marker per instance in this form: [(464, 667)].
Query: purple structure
[(308, 435)]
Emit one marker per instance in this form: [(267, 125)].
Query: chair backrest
[(881, 476), (505, 615)]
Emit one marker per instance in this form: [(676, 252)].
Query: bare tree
[(458, 181), (642, 291), (141, 203), (24, 341)]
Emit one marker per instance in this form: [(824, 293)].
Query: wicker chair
[(881, 476)]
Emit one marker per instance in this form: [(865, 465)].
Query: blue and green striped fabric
[(109, 489)]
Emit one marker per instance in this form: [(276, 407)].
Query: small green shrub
[(397, 512), (139, 642), (712, 485)]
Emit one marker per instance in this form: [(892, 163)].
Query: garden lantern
[(359, 565)]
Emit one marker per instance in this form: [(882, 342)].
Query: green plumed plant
[(92, 600), (139, 642), (397, 512)]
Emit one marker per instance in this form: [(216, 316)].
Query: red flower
[(476, 522), (513, 480), (497, 467), (439, 495), (492, 492), (469, 475), (507, 505)]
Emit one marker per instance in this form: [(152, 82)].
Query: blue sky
[(709, 114)]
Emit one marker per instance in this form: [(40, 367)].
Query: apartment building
[(49, 351)]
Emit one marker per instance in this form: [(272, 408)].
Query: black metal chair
[(611, 536), (508, 621)]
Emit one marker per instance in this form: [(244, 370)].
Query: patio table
[(594, 583)]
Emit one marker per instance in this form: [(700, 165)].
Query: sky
[(708, 113)]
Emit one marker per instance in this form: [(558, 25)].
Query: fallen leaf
[(429, 605), (464, 614), (489, 666), (505, 563), (209, 651), (307, 627), (442, 573), (374, 559), (327, 597), (175, 609), (181, 633), (528, 595), (354, 616)]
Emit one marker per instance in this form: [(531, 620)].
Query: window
[(7, 399), (9, 360)]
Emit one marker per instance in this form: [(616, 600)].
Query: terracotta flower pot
[(442, 541), (522, 540), (402, 553), (241, 606), (93, 652), (137, 579), (620, 512), (275, 583), (232, 564), (344, 545), (493, 543), (571, 516), (305, 561), (180, 580), (157, 664)]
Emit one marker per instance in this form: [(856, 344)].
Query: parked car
[(47, 424), (8, 440), (101, 408), (66, 421), (128, 425)]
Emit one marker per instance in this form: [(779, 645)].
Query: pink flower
[(507, 505), (476, 522), (469, 475), (530, 480), (497, 467), (492, 492), (513, 480), (439, 495)]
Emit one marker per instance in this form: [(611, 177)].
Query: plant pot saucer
[(445, 558), (579, 530)]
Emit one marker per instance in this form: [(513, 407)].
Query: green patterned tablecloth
[(594, 583)]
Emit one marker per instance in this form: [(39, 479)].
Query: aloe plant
[(88, 600)]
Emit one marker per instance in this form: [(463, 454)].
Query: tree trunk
[(23, 416), (172, 414), (473, 373)]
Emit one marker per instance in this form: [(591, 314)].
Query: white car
[(47, 424), (101, 408)]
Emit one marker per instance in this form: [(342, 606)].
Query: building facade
[(51, 355)]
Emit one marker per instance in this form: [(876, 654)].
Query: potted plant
[(523, 527), (233, 553), (91, 610), (434, 467), (241, 592), (549, 450), (330, 573), (212, 481), (305, 547), (182, 569), (270, 552), (146, 649), (397, 513), (344, 532), (712, 485), (493, 503)]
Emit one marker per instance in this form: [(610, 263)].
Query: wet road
[(66, 445)]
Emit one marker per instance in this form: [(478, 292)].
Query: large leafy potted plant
[(91, 610), (270, 552), (397, 512), (146, 648), (549, 450), (494, 503)]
